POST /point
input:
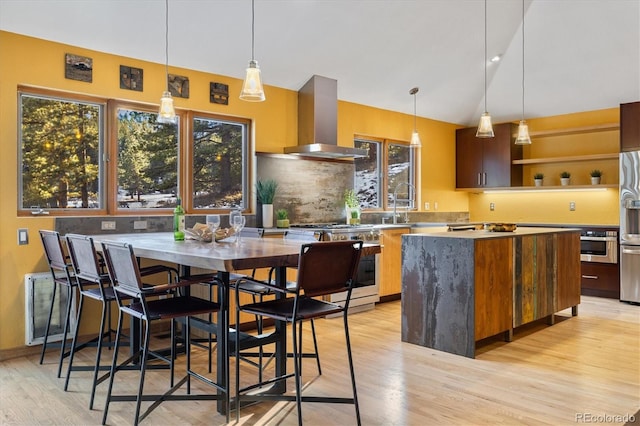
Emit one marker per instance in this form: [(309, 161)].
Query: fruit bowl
[(500, 227)]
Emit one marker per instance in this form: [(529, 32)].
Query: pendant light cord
[(415, 129), (253, 25), (485, 55), (523, 60), (166, 42)]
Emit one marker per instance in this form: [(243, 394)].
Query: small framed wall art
[(78, 68), (131, 78), (219, 93), (179, 86)]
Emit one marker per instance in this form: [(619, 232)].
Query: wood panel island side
[(461, 287)]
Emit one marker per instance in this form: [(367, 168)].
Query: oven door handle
[(626, 250), (598, 238)]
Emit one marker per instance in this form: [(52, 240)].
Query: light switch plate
[(23, 236), (108, 225), (572, 206), (492, 206)]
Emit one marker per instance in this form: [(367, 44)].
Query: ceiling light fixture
[(496, 58), (252, 90), (167, 113), (415, 137), (523, 137), (485, 128)]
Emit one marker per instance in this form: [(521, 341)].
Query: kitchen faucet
[(409, 201)]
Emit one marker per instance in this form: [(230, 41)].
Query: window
[(61, 144), (70, 160), (147, 152), (219, 163), (377, 176)]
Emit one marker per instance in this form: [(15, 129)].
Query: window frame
[(108, 153), (383, 162)]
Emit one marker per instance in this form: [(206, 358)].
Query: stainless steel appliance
[(366, 292), (599, 246), (630, 226)]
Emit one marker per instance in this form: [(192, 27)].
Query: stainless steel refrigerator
[(630, 226)]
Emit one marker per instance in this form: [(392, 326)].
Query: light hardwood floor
[(587, 365)]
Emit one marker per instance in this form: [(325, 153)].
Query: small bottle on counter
[(178, 221)]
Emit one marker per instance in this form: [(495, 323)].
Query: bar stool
[(95, 284), (62, 275)]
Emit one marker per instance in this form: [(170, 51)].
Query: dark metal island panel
[(461, 287)]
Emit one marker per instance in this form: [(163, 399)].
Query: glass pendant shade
[(415, 140), (167, 113), (485, 128), (523, 134), (252, 90)]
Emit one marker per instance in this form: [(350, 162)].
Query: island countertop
[(482, 234)]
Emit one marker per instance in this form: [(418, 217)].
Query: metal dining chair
[(62, 275), (94, 283), (324, 268), (148, 304)]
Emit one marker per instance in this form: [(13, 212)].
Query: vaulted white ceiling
[(580, 55)]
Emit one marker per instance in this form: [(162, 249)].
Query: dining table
[(224, 257)]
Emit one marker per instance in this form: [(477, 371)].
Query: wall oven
[(599, 246)]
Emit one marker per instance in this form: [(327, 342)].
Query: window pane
[(218, 171), (147, 161), (367, 175), (399, 170), (60, 153)]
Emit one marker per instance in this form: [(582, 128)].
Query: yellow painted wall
[(35, 62), (553, 207)]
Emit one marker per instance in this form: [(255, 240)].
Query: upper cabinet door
[(469, 153), (630, 127)]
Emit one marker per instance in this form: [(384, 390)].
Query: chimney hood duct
[(318, 122)]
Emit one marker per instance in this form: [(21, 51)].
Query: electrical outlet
[(426, 205), (108, 225), (435, 205), (492, 206), (23, 237), (139, 224), (572, 206)]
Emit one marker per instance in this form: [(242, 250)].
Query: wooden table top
[(221, 256)]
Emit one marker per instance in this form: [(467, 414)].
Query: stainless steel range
[(366, 292)]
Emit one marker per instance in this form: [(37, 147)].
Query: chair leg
[(63, 344), (96, 369), (315, 346), (114, 364), (353, 376), (297, 361), (74, 343), (46, 332), (143, 370)]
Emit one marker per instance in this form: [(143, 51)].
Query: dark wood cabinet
[(630, 127), (600, 279), (488, 162)]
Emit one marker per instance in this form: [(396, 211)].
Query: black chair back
[(328, 267), (123, 268), (84, 258), (53, 250)]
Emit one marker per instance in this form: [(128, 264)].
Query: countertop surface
[(480, 234)]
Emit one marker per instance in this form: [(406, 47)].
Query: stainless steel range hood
[(318, 122)]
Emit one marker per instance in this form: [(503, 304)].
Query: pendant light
[(167, 113), (523, 129), (485, 128), (252, 90), (415, 137)]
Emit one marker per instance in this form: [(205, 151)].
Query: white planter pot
[(267, 215), (565, 181), (595, 180), (538, 182)]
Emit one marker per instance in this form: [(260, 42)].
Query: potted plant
[(565, 177), (595, 176), (537, 178), (352, 207), (266, 192), (282, 218)]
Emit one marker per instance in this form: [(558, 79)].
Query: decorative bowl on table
[(500, 227), (202, 232)]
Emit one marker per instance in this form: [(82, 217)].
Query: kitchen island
[(461, 287)]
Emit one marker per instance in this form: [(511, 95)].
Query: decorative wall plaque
[(219, 93), (131, 78), (179, 86), (78, 68)]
